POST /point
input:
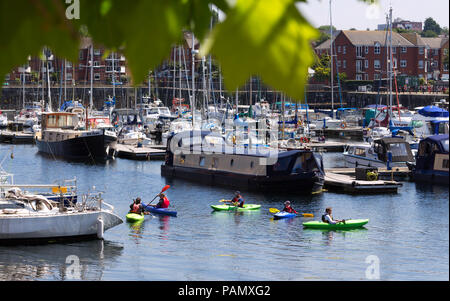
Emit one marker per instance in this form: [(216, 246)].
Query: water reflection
[(84, 260)]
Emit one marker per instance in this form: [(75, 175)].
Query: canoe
[(247, 207), (163, 211), (284, 214), (349, 224), (133, 217)]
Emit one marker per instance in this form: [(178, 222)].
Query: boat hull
[(48, 226), (303, 183), (84, 148)]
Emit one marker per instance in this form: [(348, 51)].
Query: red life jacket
[(165, 203), (136, 208), (289, 209)]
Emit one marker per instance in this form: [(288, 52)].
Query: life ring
[(372, 176), (343, 125)]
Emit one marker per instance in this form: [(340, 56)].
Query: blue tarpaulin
[(433, 111)]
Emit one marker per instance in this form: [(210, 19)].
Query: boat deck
[(349, 184), (133, 152)]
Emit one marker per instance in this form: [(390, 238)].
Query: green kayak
[(133, 217), (349, 224), (230, 208)]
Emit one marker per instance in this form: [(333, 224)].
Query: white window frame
[(366, 64), (344, 64), (376, 64), (377, 48), (403, 63), (97, 76), (344, 49), (404, 49), (366, 50), (420, 64)]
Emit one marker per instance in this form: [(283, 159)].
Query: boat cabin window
[(202, 161), (424, 149), (360, 152), (252, 164), (397, 149), (51, 120), (445, 164), (232, 162)]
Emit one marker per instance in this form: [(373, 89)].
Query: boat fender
[(353, 183), (100, 228), (343, 125)]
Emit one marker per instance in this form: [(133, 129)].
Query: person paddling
[(328, 218), (237, 200), (163, 201), (288, 207), (137, 207)]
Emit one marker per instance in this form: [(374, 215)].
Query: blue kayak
[(283, 214), (163, 211)]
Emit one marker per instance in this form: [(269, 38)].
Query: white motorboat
[(376, 154), (25, 216)]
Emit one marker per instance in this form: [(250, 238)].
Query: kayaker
[(163, 201), (237, 200), (328, 218), (137, 207), (288, 207)]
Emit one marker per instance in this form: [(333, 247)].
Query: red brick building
[(362, 55)]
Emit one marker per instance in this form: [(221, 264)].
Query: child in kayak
[(288, 207), (237, 200), (328, 218), (163, 201), (137, 207)]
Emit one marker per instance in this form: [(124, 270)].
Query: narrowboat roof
[(437, 138)]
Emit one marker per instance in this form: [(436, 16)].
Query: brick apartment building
[(362, 55), (80, 72)]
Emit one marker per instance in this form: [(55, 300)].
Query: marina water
[(406, 238)]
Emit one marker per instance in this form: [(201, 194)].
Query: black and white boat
[(62, 137), (206, 157)]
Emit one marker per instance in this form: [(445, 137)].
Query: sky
[(357, 14)]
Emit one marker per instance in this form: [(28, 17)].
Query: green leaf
[(266, 38)]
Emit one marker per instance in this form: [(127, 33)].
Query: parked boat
[(376, 154), (17, 133), (25, 216), (206, 157), (432, 160), (61, 137)]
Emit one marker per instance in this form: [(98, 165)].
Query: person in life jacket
[(328, 218), (237, 200), (288, 207), (163, 201), (137, 207)]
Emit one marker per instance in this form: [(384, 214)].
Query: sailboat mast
[(113, 76), (48, 82), (193, 79), (390, 62), (91, 102), (331, 64)]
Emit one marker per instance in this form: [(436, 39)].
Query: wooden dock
[(133, 152), (384, 173), (346, 183)]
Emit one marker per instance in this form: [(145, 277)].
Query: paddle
[(274, 210), (162, 190)]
